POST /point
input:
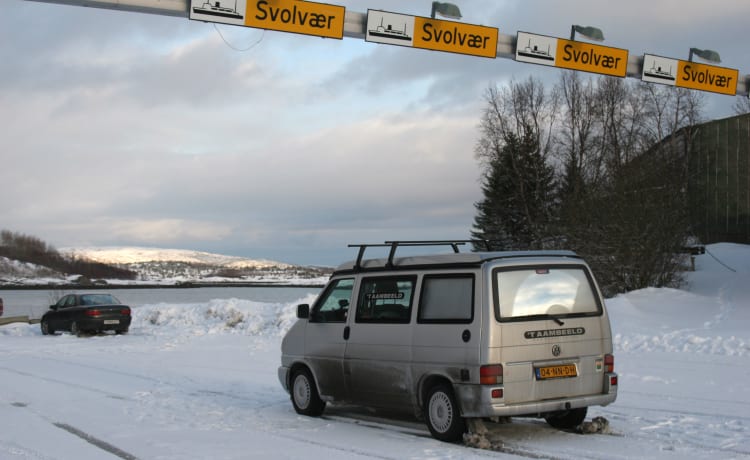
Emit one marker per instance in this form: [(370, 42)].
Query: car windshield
[(551, 292), (98, 299)]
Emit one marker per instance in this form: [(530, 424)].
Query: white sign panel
[(657, 69), (224, 12), (536, 49), (390, 28)]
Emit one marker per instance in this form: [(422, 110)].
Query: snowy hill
[(139, 255), (166, 267)]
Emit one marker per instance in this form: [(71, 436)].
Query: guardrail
[(17, 319)]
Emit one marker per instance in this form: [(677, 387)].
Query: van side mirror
[(303, 311)]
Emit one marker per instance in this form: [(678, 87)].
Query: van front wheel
[(305, 397), (442, 415)]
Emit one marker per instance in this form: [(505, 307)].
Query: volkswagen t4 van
[(455, 336)]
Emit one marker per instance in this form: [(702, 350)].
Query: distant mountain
[(139, 255), (165, 267)]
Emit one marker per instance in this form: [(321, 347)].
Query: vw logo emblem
[(556, 350)]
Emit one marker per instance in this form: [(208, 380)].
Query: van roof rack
[(395, 244)]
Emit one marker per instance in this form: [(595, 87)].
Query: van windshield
[(544, 292)]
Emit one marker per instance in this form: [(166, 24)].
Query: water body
[(34, 303)]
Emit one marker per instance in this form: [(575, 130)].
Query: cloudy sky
[(144, 130)]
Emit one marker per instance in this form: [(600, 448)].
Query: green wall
[(719, 180)]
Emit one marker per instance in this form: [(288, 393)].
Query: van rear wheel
[(442, 414), (305, 397), (567, 420)]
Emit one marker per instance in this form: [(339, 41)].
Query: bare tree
[(620, 151), (578, 137), (634, 225)]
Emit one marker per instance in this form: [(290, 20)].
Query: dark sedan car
[(86, 313)]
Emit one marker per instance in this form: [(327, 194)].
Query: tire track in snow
[(58, 381), (24, 452), (103, 445)]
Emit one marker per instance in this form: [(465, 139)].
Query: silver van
[(453, 337)]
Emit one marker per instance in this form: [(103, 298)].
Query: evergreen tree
[(517, 207)]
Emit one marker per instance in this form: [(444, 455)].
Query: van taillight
[(491, 374), (609, 363)]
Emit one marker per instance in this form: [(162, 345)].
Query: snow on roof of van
[(448, 259)]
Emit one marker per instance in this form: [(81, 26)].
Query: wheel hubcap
[(302, 392), (441, 412)]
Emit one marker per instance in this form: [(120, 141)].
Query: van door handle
[(346, 333)]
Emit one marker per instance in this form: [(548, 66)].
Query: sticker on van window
[(554, 333), (385, 295)]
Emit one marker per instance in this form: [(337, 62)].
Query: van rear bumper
[(477, 401)]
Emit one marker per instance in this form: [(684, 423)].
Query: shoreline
[(182, 285)]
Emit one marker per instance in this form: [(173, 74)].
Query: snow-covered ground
[(198, 381)]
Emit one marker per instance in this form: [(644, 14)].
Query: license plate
[(556, 372), (111, 321)]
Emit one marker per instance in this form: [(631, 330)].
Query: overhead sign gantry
[(332, 21)]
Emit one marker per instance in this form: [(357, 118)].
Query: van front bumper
[(476, 401)]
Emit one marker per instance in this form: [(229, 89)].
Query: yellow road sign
[(584, 56), (455, 37), (431, 34), (707, 77), (308, 18)]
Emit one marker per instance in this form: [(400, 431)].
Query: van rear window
[(544, 292)]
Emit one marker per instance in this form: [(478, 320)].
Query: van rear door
[(551, 332)]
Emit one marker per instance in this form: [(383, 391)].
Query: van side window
[(446, 299), (386, 299), (333, 305)]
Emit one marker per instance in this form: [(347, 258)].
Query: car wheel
[(75, 330), (304, 394), (442, 414), (121, 331), (567, 420), (46, 330)]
